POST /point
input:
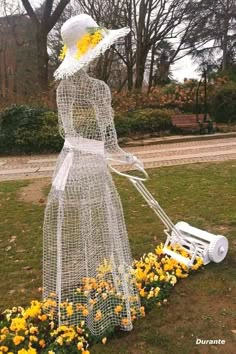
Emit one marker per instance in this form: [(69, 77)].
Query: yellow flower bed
[(34, 330)]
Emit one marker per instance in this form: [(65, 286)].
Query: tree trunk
[(129, 55), (129, 46), (140, 61), (225, 37), (130, 76), (140, 68), (151, 68), (43, 58)]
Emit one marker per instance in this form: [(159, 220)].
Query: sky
[(184, 68)]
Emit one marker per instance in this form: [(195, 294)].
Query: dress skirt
[(87, 263)]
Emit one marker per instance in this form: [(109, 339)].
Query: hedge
[(25, 129), (143, 121), (223, 104)]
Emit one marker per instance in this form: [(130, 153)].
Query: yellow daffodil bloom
[(18, 339), (42, 343), (98, 315), (118, 309), (59, 340), (18, 324), (85, 312), (80, 345), (142, 311), (125, 322), (69, 310)]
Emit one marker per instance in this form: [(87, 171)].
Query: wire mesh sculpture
[(87, 259)]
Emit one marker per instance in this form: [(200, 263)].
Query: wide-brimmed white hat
[(73, 31)]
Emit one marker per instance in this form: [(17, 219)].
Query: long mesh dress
[(87, 259)]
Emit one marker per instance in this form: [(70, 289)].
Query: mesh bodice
[(83, 105)]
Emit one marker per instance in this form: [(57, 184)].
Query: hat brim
[(71, 65)]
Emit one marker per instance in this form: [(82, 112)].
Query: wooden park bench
[(189, 122)]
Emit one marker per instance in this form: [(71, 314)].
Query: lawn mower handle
[(135, 178)]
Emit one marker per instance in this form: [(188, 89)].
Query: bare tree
[(112, 14), (155, 21), (54, 38), (42, 26), (214, 36)]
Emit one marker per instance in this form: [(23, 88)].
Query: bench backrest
[(186, 118)]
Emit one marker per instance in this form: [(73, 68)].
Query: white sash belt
[(79, 144)]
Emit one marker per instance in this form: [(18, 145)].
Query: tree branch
[(30, 11), (56, 14), (47, 11)]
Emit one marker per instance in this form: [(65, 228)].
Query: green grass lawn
[(202, 306)]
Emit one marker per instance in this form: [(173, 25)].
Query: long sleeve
[(106, 121), (65, 100)]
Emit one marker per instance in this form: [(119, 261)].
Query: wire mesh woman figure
[(87, 260)]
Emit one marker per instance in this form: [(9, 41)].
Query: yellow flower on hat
[(83, 45), (86, 42), (96, 38), (63, 52)]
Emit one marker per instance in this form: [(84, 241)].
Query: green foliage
[(25, 129), (143, 121), (223, 104)]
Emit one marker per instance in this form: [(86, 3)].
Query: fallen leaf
[(20, 251), (12, 239), (233, 331), (27, 268), (8, 248)]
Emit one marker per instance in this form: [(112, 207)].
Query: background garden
[(34, 129), (140, 69)]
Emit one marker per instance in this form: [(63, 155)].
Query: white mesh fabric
[(87, 260)]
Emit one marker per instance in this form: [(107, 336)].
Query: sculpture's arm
[(65, 100), (106, 116)]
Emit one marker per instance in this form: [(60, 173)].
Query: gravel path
[(177, 153)]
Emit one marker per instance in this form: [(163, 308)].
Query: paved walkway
[(175, 153)]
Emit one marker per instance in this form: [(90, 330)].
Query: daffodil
[(18, 339), (98, 315), (63, 52), (118, 309), (69, 310), (18, 324), (42, 343)]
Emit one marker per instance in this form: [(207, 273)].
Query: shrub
[(223, 104), (143, 121), (25, 129)]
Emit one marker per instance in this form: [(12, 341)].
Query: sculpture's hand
[(133, 160)]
